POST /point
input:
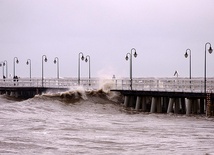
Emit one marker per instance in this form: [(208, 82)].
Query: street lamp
[(44, 58), (82, 58), (127, 58), (186, 55), (15, 60), (88, 59), (29, 63), (56, 60), (210, 50), (2, 65), (5, 64)]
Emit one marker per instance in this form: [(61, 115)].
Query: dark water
[(76, 122)]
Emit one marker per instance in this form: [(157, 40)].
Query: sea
[(94, 122)]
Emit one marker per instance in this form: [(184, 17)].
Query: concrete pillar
[(183, 107), (144, 104), (126, 101), (153, 105), (201, 106), (165, 102), (7, 93), (12, 94), (188, 106), (177, 106), (16, 94), (170, 106), (195, 106), (138, 103), (132, 102), (159, 107)]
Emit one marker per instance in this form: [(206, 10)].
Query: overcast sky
[(160, 31)]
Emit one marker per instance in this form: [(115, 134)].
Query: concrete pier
[(144, 108), (170, 106), (177, 106), (165, 105), (138, 103), (188, 106), (153, 105), (126, 101)]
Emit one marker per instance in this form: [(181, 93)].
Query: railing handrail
[(143, 84)]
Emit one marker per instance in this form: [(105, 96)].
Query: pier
[(154, 95), (168, 95)]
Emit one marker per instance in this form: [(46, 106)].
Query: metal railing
[(141, 84), (166, 84)]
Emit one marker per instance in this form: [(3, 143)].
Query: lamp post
[(82, 58), (5, 64), (29, 63), (210, 50), (56, 60), (2, 65), (186, 55), (127, 58), (44, 58), (88, 59), (15, 60)]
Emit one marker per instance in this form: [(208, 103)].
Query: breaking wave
[(76, 94)]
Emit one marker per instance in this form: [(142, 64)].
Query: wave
[(76, 94)]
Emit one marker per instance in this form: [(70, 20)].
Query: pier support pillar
[(7, 93), (143, 104), (201, 106), (153, 105), (12, 94), (177, 106), (183, 107), (132, 102), (165, 103), (16, 94), (138, 103), (170, 106), (126, 101), (158, 103), (188, 106), (194, 106)]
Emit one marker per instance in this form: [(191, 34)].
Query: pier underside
[(169, 102)]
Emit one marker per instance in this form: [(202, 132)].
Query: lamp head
[(127, 58), (210, 50), (186, 55), (46, 59), (17, 61), (82, 57), (27, 62), (86, 60), (0, 65), (55, 61), (135, 54)]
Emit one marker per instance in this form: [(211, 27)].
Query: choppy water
[(79, 123)]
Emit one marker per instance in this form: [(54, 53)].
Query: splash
[(73, 94), (105, 85), (78, 93)]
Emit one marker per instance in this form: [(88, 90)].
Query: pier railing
[(140, 84), (166, 84), (47, 83)]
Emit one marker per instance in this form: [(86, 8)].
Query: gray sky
[(160, 30)]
